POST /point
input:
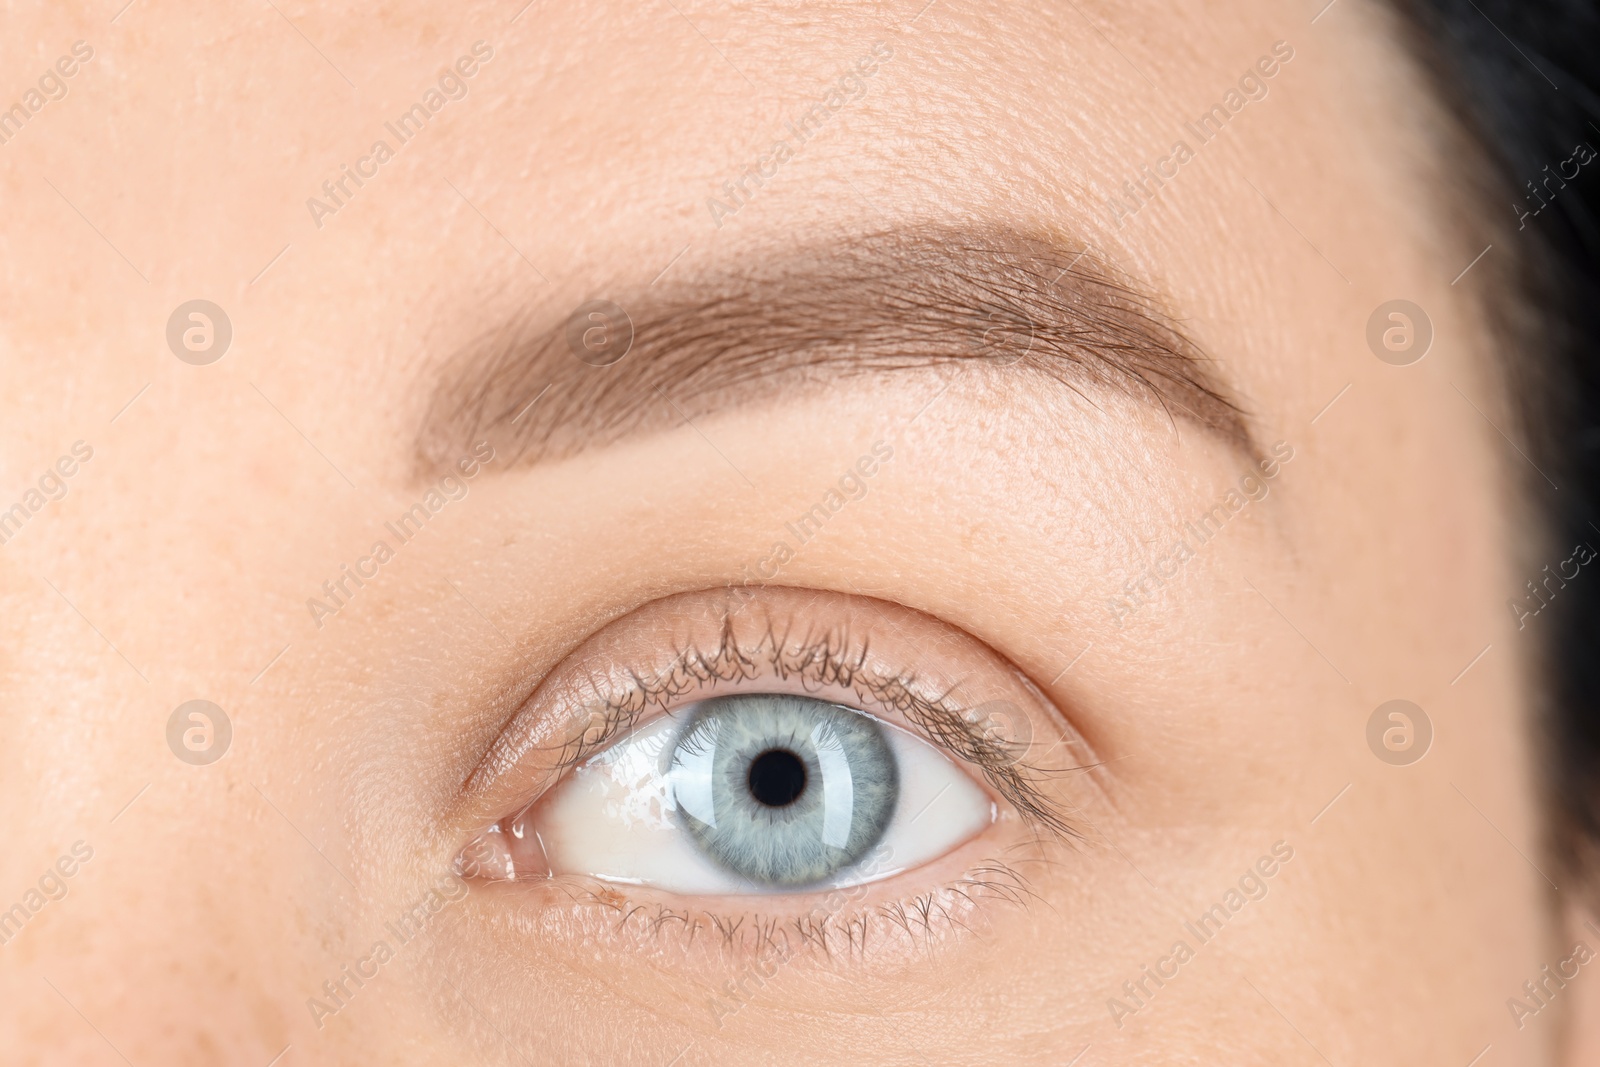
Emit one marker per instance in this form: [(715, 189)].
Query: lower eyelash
[(820, 659), (847, 931)]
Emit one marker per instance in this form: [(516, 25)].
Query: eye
[(729, 755), (746, 793)]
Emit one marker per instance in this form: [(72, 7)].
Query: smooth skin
[(1225, 715)]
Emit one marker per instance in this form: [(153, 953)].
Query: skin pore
[(962, 259)]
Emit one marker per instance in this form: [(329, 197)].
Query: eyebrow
[(775, 325)]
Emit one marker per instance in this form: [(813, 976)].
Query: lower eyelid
[(871, 924)]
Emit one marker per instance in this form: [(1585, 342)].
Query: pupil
[(777, 778)]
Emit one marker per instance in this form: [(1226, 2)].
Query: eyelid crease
[(817, 660)]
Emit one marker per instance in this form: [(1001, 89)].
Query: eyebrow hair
[(874, 303)]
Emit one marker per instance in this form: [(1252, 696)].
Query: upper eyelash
[(819, 659)]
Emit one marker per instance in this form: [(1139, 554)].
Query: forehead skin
[(1231, 708)]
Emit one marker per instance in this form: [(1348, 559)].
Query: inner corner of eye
[(750, 793)]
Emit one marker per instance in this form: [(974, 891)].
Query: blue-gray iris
[(781, 790)]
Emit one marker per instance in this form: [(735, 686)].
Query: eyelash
[(781, 638), (830, 658), (918, 919)]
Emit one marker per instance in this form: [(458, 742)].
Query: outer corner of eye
[(748, 794)]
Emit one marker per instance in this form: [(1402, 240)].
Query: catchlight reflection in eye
[(755, 793)]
